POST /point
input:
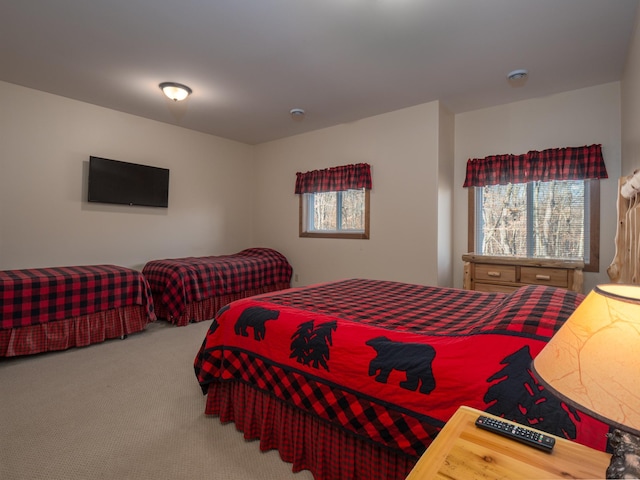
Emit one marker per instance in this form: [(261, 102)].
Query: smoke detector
[(518, 74), (297, 114)]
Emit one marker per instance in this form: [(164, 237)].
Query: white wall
[(402, 148), (45, 220), (631, 104), (446, 188), (571, 119), (225, 196)]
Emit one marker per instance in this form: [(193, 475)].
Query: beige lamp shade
[(593, 361)]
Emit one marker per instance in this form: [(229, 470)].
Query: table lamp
[(593, 364)]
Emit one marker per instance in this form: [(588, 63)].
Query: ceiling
[(250, 61)]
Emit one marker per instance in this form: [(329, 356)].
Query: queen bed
[(47, 309), (353, 379), (193, 289)]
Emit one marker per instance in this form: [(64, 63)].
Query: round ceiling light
[(517, 74), (175, 91)]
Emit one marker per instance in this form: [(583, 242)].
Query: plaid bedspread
[(391, 362), (35, 296), (178, 282)]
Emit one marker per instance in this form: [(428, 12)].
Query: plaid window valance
[(335, 179), (571, 163)]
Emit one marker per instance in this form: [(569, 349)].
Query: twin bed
[(48, 309), (353, 379), (193, 289)]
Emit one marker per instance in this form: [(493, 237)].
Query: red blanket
[(39, 295), (178, 282), (391, 362)]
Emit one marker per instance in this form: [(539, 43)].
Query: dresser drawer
[(556, 277), (495, 273), (504, 274)]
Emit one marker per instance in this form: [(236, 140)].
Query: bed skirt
[(73, 332), (307, 442), (206, 309)]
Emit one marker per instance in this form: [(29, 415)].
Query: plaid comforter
[(40, 295), (178, 282), (391, 362)]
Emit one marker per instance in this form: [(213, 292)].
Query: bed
[(48, 309), (353, 379), (193, 289)]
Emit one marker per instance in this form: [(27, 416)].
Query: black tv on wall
[(113, 181)]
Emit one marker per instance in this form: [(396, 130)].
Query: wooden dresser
[(504, 274)]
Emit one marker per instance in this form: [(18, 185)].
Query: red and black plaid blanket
[(180, 281), (391, 362), (39, 295)]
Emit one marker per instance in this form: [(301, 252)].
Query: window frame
[(303, 233), (592, 264)]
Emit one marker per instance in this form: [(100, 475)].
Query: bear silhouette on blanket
[(255, 317), (414, 359)]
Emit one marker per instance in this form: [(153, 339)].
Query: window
[(334, 202), (341, 214), (539, 204), (557, 219)]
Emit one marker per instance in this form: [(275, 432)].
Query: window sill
[(527, 261), (357, 236)]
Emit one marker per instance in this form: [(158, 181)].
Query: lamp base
[(625, 461)]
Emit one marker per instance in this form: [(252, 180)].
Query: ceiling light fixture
[(297, 114), (175, 91), (518, 74)]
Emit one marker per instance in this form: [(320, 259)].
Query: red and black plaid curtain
[(335, 179), (571, 163)]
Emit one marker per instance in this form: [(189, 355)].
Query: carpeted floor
[(123, 409)]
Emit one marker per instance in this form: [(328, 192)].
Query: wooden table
[(462, 451)]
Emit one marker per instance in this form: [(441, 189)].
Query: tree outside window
[(343, 214), (539, 204), (334, 202), (552, 222)]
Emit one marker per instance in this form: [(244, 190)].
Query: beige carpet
[(123, 409)]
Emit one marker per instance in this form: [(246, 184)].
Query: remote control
[(521, 434)]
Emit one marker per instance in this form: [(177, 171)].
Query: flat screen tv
[(112, 181)]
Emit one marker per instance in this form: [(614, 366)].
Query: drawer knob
[(493, 274), (543, 277)]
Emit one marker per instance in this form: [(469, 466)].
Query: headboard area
[(625, 267)]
